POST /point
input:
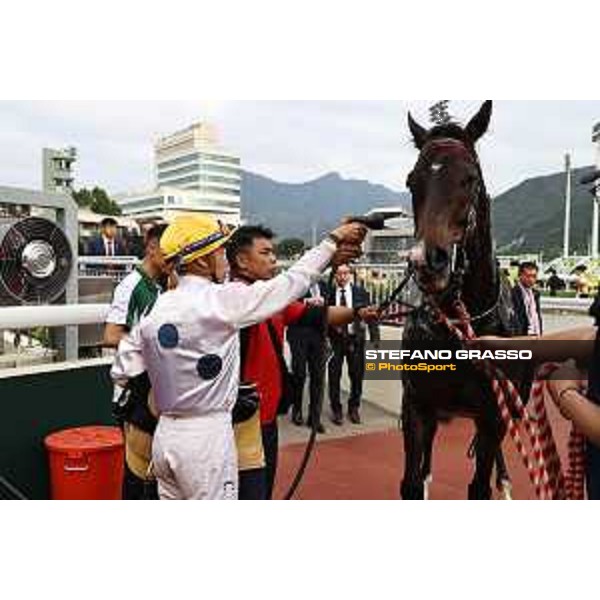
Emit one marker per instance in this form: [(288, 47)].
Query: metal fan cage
[(35, 261)]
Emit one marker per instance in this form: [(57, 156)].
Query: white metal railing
[(127, 261), (106, 267), (27, 317), (380, 280), (573, 305)]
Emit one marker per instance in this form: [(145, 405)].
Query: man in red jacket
[(251, 257)]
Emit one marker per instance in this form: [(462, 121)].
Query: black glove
[(247, 403)]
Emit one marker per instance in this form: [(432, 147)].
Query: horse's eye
[(436, 167)]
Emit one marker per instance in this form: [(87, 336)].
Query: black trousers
[(258, 484), (135, 488), (352, 350), (252, 484), (306, 345)]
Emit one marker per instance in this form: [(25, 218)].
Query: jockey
[(189, 345)]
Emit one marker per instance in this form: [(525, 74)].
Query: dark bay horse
[(453, 261)]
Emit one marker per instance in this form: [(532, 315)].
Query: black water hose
[(13, 492), (385, 305), (316, 417)]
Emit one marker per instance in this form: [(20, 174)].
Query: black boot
[(297, 417)]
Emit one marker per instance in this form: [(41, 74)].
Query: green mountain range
[(295, 209), (530, 216)]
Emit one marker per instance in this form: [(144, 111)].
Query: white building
[(392, 244), (165, 203), (193, 174)]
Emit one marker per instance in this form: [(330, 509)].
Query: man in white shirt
[(189, 345)]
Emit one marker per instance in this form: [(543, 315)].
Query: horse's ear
[(419, 133), (479, 124)]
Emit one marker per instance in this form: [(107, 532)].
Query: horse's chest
[(448, 393)]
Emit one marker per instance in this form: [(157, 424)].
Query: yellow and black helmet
[(190, 237)]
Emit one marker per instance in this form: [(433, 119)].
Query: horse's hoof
[(428, 481), (505, 489), (477, 492), (412, 492)]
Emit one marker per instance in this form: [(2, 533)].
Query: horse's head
[(446, 185)]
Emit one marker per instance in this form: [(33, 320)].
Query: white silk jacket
[(189, 343)]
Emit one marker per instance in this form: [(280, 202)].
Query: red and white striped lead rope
[(544, 467)]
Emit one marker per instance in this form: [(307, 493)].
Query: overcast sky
[(287, 141)]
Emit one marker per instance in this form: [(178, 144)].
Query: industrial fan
[(35, 261)]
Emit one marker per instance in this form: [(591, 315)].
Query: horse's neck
[(480, 285)]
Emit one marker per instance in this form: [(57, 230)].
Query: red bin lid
[(88, 439)]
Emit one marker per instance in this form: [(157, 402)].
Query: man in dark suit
[(107, 244), (527, 312), (306, 346), (348, 343)]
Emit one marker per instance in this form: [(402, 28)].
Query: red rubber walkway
[(369, 466)]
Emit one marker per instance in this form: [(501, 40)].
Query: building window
[(178, 161), (210, 170), (175, 172), (194, 179), (156, 202), (227, 160), (219, 158)]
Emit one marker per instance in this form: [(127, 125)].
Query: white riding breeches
[(194, 458)]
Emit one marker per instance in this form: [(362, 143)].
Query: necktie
[(111, 249), (344, 302)]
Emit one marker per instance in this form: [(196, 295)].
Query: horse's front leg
[(430, 426), (503, 482), (412, 428), (490, 433)]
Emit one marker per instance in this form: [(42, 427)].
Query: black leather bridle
[(458, 254)]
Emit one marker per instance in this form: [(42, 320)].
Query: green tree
[(97, 200), (290, 247), (83, 197)]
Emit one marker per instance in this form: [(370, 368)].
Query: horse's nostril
[(437, 259)]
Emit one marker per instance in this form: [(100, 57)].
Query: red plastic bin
[(86, 463)]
